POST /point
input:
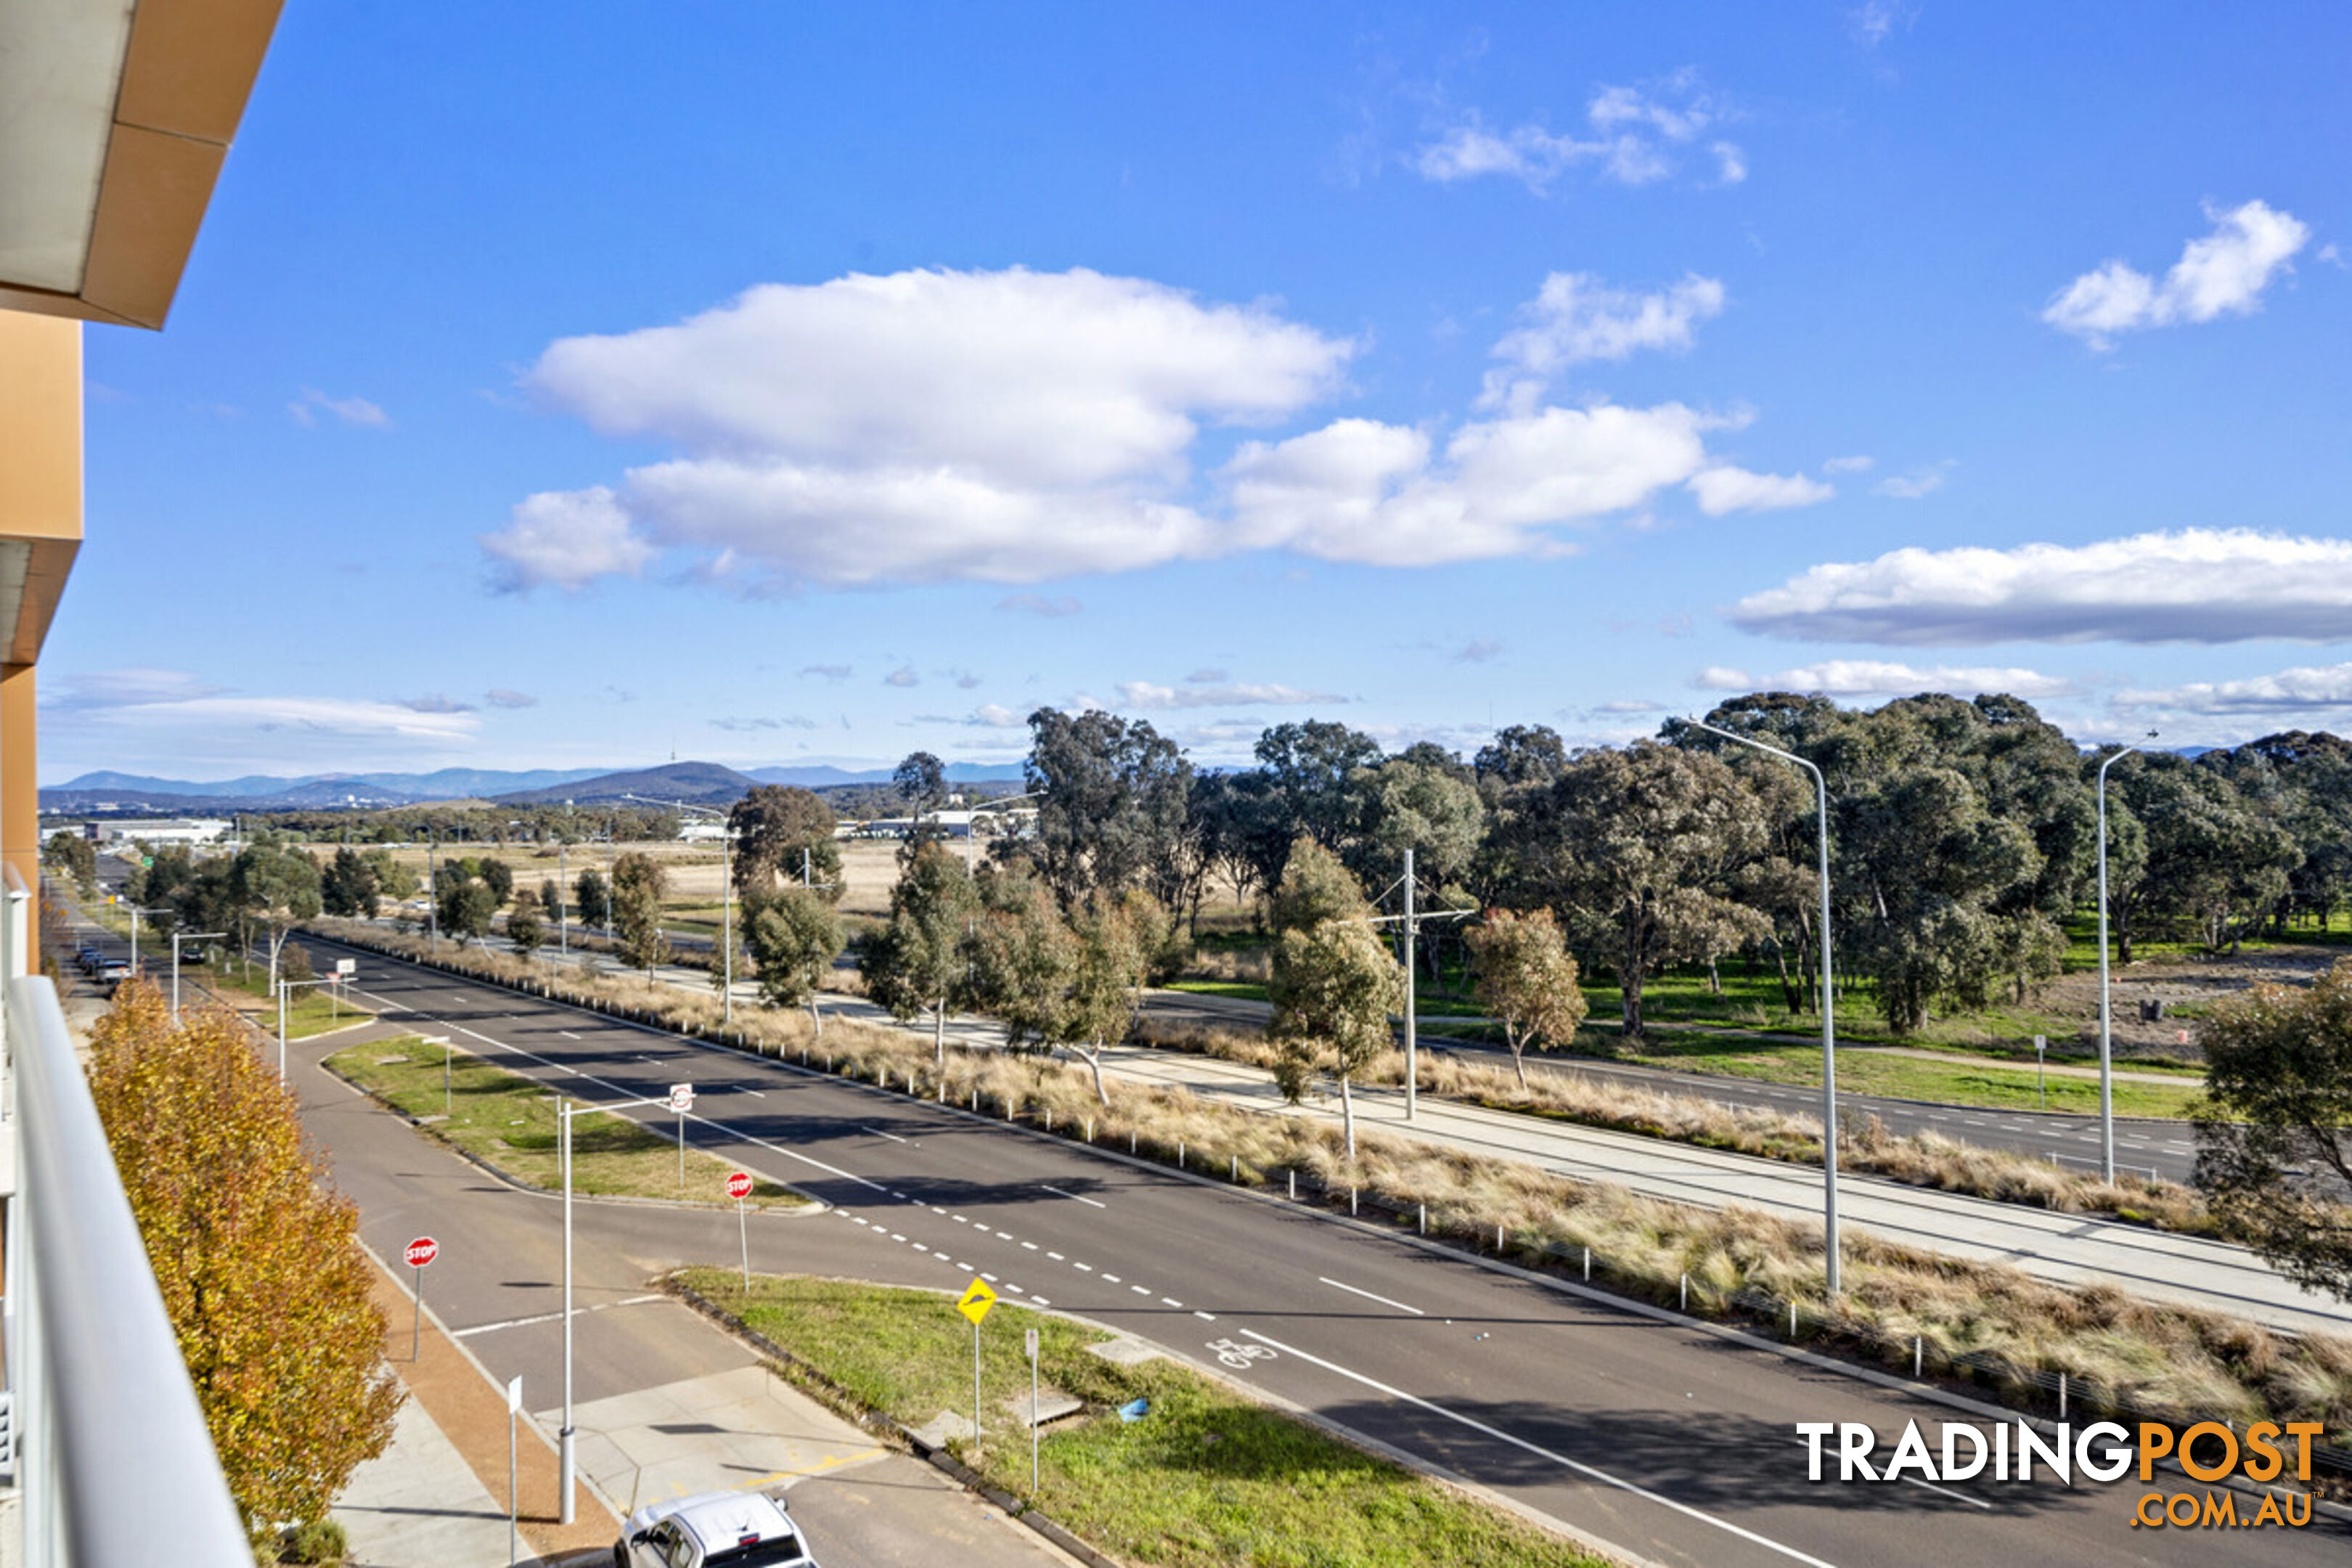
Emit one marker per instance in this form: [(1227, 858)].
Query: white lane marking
[(701, 1120), (1172, 1302), (896, 1237), (1005, 1235), (1087, 1267), (549, 1317), (1060, 1194), (1041, 1300), (1057, 1257), (1204, 1316), (1139, 1290), (1030, 1245), (989, 1278), (936, 1209), (1368, 1296), (893, 1136), (1112, 1278), (920, 1248), (1543, 1453), (567, 1034), (1941, 1491), (756, 1093)]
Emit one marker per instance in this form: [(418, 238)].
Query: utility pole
[(2106, 1009), (1411, 1021), (562, 904)]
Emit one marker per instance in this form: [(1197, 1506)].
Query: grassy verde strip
[(1207, 1477), (1990, 1324), (309, 1012), (508, 1123)]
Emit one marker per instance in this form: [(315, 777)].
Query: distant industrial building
[(157, 832)]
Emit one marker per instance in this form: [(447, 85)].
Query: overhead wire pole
[(2106, 1009), (1829, 1007), (1411, 920)]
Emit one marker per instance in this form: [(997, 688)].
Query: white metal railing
[(114, 1465)]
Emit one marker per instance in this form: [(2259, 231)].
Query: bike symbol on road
[(1238, 1356)]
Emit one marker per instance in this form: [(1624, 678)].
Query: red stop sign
[(421, 1251), (739, 1184)]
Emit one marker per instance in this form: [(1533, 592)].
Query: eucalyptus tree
[(917, 962), (1113, 807), (1310, 767)]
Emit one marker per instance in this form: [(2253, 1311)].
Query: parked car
[(712, 1529)]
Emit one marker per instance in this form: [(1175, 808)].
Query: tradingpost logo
[(2016, 1453)]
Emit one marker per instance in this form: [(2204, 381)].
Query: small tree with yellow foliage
[(258, 1256)]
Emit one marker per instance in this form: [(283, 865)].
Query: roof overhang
[(115, 116)]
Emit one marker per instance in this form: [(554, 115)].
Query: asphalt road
[(2165, 1148), (1674, 1444)]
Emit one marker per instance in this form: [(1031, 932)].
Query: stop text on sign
[(421, 1251)]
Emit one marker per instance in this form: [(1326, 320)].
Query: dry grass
[(2160, 1361), (1925, 1160)]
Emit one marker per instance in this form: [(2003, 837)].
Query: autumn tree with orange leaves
[(259, 1257)]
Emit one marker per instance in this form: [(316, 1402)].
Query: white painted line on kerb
[(1368, 1296), (1543, 1453), (1060, 1194)]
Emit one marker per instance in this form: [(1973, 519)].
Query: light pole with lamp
[(177, 938), (1829, 1005), (567, 1458), (135, 913), (2107, 1009)]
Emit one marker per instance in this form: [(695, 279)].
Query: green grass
[(308, 1012), (1248, 990), (510, 1123), (1990, 1086), (1207, 1479)]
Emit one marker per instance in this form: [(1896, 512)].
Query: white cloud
[(832, 442), (1635, 137), (1855, 465), (1575, 317), (2305, 689), (334, 716), (2223, 273), (1879, 677), (994, 716), (1725, 489), (567, 539), (2198, 586), (125, 687), (1361, 490), (904, 675), (1010, 427), (1479, 651), (501, 697), (436, 703), (1919, 482), (1145, 695), (350, 410)]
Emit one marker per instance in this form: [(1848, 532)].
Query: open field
[(510, 1123), (1207, 1478)]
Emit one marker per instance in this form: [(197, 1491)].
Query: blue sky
[(562, 386)]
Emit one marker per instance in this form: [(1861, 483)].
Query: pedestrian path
[(419, 1502)]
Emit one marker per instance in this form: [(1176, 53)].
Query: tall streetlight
[(1829, 1004), (286, 989), (432, 896), (2107, 1009), (177, 938), (135, 913)]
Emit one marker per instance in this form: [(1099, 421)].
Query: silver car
[(712, 1529)]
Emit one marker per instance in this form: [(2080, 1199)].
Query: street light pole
[(1411, 1023), (1829, 1007), (135, 913), (284, 987), (567, 1456), (432, 897), (2106, 1009), (562, 904)]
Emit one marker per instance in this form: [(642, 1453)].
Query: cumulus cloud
[(434, 702), (1724, 488), (2222, 273), (501, 697), (2197, 585), (1018, 427), (2305, 689), (1878, 678), (1146, 695), (1575, 317), (1009, 425), (567, 539), (903, 675), (1635, 136), (1853, 464), (304, 410), (996, 716)]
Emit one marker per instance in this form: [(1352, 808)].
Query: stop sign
[(421, 1251), (739, 1184)]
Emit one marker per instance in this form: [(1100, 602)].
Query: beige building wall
[(40, 529)]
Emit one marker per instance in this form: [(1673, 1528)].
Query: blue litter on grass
[(1135, 1410)]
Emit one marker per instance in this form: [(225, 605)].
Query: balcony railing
[(114, 1463)]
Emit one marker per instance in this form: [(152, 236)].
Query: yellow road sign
[(976, 1301)]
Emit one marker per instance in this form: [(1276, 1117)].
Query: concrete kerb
[(1931, 1392)]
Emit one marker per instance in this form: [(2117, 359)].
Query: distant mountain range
[(700, 783)]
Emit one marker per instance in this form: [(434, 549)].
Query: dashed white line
[(567, 1034), (1139, 1290), (1172, 1302), (989, 1278), (1204, 1316), (1112, 1278), (1087, 1267), (1057, 1257), (1030, 1245)]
